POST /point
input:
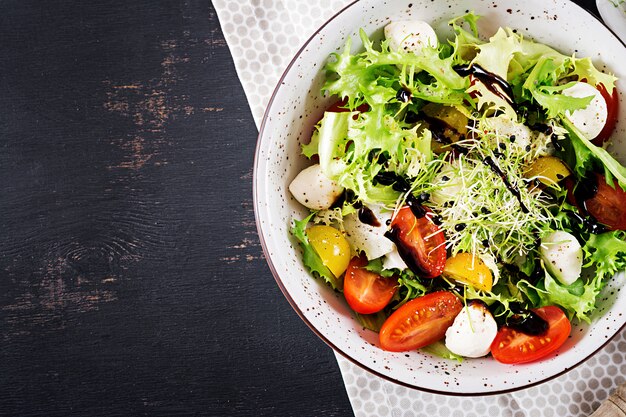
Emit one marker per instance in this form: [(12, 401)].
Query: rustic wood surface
[(131, 276)]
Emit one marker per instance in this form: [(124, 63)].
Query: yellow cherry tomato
[(548, 169), (469, 269), (332, 248)]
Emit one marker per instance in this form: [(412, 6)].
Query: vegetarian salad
[(461, 197)]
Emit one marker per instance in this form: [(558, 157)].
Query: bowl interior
[(295, 108)]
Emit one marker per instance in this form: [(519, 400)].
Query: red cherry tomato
[(608, 205), (511, 346), (420, 242), (420, 322), (367, 292), (612, 104)]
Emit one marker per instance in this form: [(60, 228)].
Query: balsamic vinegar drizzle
[(494, 83), (512, 188), (403, 95), (586, 189), (367, 216), (588, 224), (526, 321)]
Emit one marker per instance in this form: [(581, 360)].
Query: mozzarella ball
[(366, 237), (410, 36), (472, 331), (563, 256), (313, 189), (591, 119)]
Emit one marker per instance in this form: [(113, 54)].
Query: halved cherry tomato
[(607, 205), (512, 346), (367, 292), (548, 169), (612, 105), (420, 322), (469, 269), (420, 242), (332, 248)]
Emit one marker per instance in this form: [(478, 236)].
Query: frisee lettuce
[(607, 253)]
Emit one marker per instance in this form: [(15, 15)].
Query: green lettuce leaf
[(311, 148), (584, 70), (332, 140), (542, 85), (578, 299), (495, 56), (310, 258), (587, 153), (371, 321), (607, 252)]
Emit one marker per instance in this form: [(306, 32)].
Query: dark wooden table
[(131, 276)]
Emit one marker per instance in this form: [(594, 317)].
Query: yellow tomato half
[(469, 269), (332, 248), (548, 169)]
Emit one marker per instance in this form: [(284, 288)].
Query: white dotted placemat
[(263, 36)]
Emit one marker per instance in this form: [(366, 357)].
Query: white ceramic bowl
[(297, 105)]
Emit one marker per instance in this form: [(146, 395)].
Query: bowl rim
[(292, 302)]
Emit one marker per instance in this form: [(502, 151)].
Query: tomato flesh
[(420, 322), (612, 105), (367, 292), (469, 269), (420, 242), (332, 248), (511, 346), (608, 205)]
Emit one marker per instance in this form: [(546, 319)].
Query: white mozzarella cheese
[(313, 189), (590, 120), (562, 256), (410, 36), (506, 128), (367, 238), (472, 331), (393, 260)]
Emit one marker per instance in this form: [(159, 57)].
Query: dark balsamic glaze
[(588, 224), (415, 203), (512, 188), (437, 128), (555, 143), (367, 216), (403, 95), (494, 83), (397, 182), (347, 196), (543, 128), (586, 189), (526, 321)]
